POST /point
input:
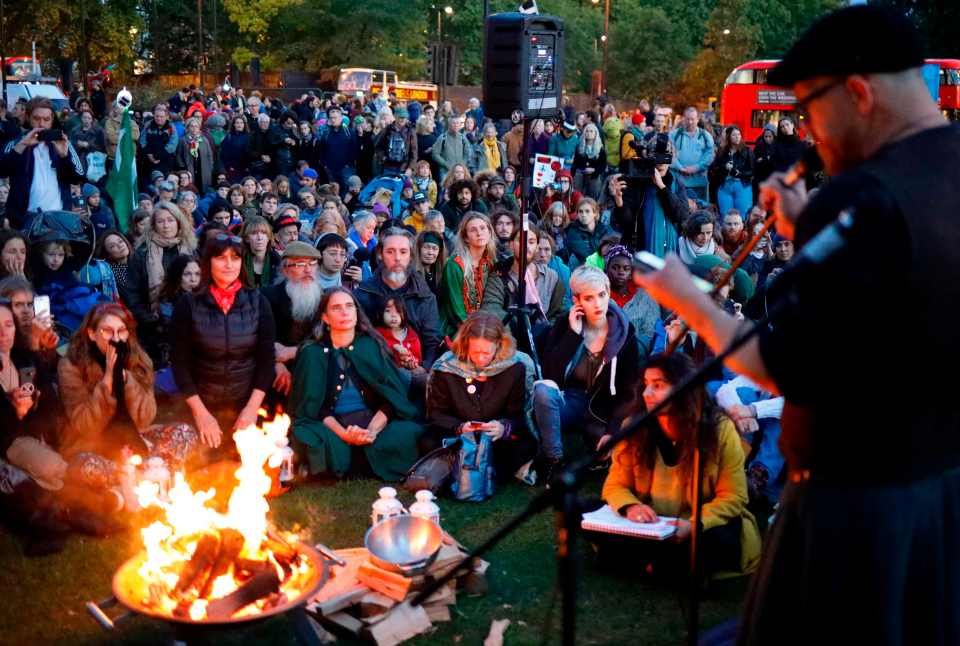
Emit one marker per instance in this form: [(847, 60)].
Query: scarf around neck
[(224, 297), (689, 251), (156, 243), (492, 151)]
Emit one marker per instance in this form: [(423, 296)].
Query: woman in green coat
[(467, 272), (350, 407)]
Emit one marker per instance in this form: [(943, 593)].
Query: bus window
[(760, 118), (743, 77), (392, 79), (949, 77), (355, 80)]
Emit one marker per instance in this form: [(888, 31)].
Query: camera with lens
[(651, 152)]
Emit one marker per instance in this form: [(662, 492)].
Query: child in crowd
[(400, 337), (423, 182)]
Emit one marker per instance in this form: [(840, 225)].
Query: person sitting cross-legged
[(351, 412)]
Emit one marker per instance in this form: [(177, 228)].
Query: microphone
[(808, 164)]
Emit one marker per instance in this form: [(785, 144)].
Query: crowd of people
[(356, 262)]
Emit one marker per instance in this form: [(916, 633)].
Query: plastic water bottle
[(386, 506), (425, 507)]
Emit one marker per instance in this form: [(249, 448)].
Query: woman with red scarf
[(223, 357)]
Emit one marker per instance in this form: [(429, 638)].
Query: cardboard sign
[(545, 170)]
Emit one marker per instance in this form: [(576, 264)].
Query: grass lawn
[(47, 595)]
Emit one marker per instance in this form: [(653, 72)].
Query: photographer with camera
[(650, 201), (40, 175)]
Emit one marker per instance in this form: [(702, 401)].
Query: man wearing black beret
[(863, 548)]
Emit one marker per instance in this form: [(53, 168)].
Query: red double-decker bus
[(750, 103)]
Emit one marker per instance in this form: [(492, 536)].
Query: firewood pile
[(364, 601)]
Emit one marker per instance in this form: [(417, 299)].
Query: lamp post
[(605, 39), (200, 44), (441, 51)]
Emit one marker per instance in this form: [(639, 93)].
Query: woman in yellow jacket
[(651, 475)]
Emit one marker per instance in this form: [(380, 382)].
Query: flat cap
[(298, 249)]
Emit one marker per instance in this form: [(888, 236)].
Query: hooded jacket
[(561, 348), (581, 243), (422, 311)]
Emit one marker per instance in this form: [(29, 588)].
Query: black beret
[(862, 39)]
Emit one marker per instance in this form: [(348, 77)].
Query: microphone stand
[(521, 312), (562, 495)]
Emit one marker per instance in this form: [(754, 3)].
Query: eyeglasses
[(225, 237), (803, 106), (303, 264)]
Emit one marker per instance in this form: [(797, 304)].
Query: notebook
[(607, 520)]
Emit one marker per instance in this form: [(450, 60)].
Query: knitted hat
[(638, 119), (309, 172), (89, 190)]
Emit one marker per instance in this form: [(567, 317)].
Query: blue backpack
[(473, 472)]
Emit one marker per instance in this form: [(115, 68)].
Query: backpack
[(473, 473), (397, 148), (678, 138)]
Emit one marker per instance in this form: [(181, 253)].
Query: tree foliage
[(97, 31), (730, 40), (938, 21)]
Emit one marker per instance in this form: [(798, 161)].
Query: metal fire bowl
[(405, 544), (128, 589)]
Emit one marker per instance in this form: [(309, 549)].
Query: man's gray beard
[(395, 277), (304, 299)]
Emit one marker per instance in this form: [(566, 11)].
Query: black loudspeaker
[(522, 65)]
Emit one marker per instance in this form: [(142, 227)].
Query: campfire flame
[(170, 543)]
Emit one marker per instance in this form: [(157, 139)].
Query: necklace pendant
[(471, 389)]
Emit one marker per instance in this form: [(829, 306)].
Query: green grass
[(46, 596)]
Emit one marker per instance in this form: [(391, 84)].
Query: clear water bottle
[(386, 506), (425, 507), (286, 467)]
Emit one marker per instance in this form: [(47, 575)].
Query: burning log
[(285, 554), (246, 568), (200, 563), (231, 542), (259, 586)]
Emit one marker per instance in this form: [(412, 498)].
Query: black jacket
[(41, 421), (289, 332), (155, 139), (742, 166), (137, 293), (223, 357), (614, 385), (450, 404), (421, 304), (19, 167)]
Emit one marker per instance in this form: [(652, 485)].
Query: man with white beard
[(294, 302), (395, 277)]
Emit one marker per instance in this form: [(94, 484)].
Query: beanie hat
[(638, 119), (89, 190)]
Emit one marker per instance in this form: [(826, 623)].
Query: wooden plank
[(336, 604), (343, 580), (402, 623), (446, 595), (437, 613), (344, 622), (375, 603), (396, 586), (322, 634)]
